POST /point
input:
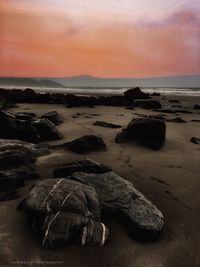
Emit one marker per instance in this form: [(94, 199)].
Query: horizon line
[(98, 77)]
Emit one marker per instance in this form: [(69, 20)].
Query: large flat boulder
[(120, 198), (148, 132)]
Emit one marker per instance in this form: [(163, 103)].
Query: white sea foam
[(113, 91)]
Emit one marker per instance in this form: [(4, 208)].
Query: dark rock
[(31, 150), (183, 111), (12, 128), (29, 92), (172, 111), (132, 107), (174, 101), (121, 137), (54, 117), (10, 180), (107, 125), (148, 132), (176, 106), (46, 129), (27, 116), (159, 117), (8, 195), (177, 120), (119, 197), (11, 158), (70, 208), (85, 144), (85, 165), (94, 115), (148, 104), (24, 131), (195, 120), (136, 93), (2, 103), (15, 178), (195, 140), (155, 94), (196, 106), (17, 160)]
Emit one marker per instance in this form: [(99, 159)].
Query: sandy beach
[(169, 178)]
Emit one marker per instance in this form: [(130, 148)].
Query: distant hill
[(90, 81), (29, 82), (171, 81)]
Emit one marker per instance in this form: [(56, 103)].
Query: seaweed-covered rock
[(54, 117), (148, 132), (119, 197), (62, 209), (84, 165), (85, 144), (46, 129)]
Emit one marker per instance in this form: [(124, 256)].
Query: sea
[(112, 91)]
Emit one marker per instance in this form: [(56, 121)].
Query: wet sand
[(170, 178)]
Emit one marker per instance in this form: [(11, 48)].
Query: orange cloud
[(51, 44)]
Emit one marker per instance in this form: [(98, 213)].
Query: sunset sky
[(105, 38)]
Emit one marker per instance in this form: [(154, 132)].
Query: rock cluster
[(70, 100), (69, 207), (25, 127)]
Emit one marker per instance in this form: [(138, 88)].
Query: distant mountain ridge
[(189, 81), (29, 82)]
